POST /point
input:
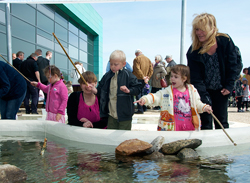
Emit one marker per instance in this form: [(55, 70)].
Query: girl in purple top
[(83, 107), (57, 94)]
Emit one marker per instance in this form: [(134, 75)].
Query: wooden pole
[(223, 128), (70, 59), (15, 69)]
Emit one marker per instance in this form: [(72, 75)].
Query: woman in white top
[(75, 75)]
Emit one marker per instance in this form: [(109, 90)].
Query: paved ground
[(233, 115)]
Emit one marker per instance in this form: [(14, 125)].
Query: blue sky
[(155, 26)]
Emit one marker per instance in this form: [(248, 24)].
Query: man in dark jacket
[(41, 63), (29, 69), (12, 91), (18, 60)]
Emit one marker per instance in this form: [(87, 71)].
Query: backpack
[(239, 62)]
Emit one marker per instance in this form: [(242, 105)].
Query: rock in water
[(132, 147), (175, 147), (156, 144), (187, 153), (155, 155), (10, 173)]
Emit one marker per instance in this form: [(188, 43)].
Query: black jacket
[(28, 68), (72, 110), (42, 63), (125, 106), (17, 63), (227, 61)]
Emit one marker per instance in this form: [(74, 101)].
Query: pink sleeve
[(43, 87), (64, 99)]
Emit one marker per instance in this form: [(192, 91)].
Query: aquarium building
[(78, 27)]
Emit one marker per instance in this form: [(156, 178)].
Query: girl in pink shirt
[(57, 94)]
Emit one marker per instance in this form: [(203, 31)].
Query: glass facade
[(33, 30)]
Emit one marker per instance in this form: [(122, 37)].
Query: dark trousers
[(219, 106), (139, 107), (154, 90), (245, 103), (239, 103), (33, 91)]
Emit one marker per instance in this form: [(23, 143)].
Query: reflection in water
[(70, 164)]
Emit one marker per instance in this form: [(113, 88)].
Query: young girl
[(180, 103), (57, 94), (83, 107)]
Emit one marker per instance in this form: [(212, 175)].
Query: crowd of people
[(185, 95)]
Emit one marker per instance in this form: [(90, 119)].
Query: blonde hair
[(118, 54), (183, 70), (206, 22)]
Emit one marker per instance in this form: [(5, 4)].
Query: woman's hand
[(84, 120), (141, 101), (58, 116), (33, 83), (224, 91), (87, 124)]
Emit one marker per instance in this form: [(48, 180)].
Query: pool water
[(67, 161)]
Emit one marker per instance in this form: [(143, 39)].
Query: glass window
[(73, 39), (91, 39), (20, 9), (73, 52), (45, 34), (2, 6), (19, 45), (46, 11), (23, 30), (90, 49), (73, 29), (85, 65), (58, 48), (45, 42), (45, 23), (33, 5), (61, 61), (2, 16), (83, 56), (65, 74), (2, 28), (90, 59), (3, 45), (83, 45), (90, 68), (83, 35), (62, 21), (61, 33)]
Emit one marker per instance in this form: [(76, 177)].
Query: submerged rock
[(153, 156), (175, 147), (156, 144), (10, 173), (132, 147), (188, 153)]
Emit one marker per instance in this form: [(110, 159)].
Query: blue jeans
[(9, 108)]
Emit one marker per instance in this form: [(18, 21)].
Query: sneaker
[(240, 111), (139, 112), (34, 112)]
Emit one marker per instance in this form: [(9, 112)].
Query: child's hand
[(87, 124), (92, 87), (124, 89), (84, 120), (141, 101), (146, 78), (208, 109), (58, 116), (33, 83)]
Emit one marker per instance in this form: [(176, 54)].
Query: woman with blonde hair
[(213, 61)]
